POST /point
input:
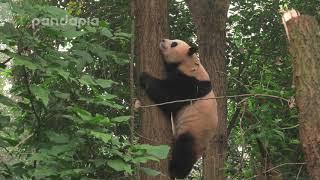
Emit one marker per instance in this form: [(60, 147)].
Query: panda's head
[(176, 51)]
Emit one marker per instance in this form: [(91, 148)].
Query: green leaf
[(6, 101), (10, 140), (4, 121), (144, 159), (73, 33), (56, 12), (119, 165), (40, 93), (87, 80), (91, 29), (88, 118), (294, 141), (150, 172), (99, 119), (99, 162), (9, 30), (106, 32), (105, 97), (98, 50), (58, 149), (126, 35), (38, 157), (121, 119), (72, 172), (279, 133), (160, 152), (26, 61), (63, 73), (83, 114), (57, 138), (84, 55), (104, 83), (61, 95), (102, 136), (41, 173), (105, 100)]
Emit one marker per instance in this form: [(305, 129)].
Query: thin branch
[(218, 97), (284, 164), (297, 177), (27, 84), (290, 127), (132, 125), (6, 61), (233, 120), (23, 141), (9, 152), (235, 79), (242, 133), (264, 151), (275, 167), (3, 64)]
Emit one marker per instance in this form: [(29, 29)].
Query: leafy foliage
[(67, 108)]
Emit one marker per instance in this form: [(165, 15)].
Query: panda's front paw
[(144, 80)]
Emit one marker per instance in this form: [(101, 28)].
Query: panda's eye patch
[(174, 44)]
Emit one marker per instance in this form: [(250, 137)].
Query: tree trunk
[(150, 27), (210, 18), (304, 41)]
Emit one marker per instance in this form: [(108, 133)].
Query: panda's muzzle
[(162, 45)]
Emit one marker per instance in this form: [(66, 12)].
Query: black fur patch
[(177, 86), (183, 156), (174, 44)]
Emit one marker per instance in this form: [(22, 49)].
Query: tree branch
[(233, 120), (131, 76), (275, 167), (27, 84), (3, 64)]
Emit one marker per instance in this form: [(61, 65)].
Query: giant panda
[(195, 121)]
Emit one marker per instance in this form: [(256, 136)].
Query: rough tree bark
[(150, 28), (304, 45), (210, 18)]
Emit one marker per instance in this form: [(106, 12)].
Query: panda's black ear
[(192, 50)]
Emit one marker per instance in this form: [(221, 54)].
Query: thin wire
[(218, 97)]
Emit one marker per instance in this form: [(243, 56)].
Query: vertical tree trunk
[(210, 18), (150, 27), (304, 41)]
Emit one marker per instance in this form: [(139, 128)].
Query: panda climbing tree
[(194, 122)]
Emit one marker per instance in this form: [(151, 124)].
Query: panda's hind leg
[(183, 156)]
